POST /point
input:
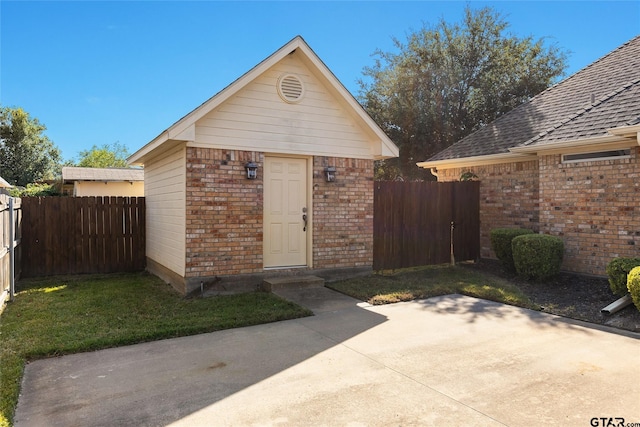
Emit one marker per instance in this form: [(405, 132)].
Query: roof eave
[(489, 159), (387, 152), (136, 158), (599, 143), (626, 131)]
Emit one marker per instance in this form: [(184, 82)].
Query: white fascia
[(601, 143), (489, 159)]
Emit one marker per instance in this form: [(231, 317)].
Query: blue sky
[(120, 71)]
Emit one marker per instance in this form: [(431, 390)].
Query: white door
[(285, 210)]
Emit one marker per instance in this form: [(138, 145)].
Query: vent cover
[(290, 88)]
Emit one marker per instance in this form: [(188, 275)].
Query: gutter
[(596, 143), (632, 132), (489, 159), (617, 305)]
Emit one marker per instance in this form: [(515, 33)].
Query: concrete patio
[(451, 360)]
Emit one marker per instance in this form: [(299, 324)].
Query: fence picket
[(412, 223), (82, 235)]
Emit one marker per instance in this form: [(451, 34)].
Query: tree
[(35, 190), (26, 155), (106, 156), (449, 80)]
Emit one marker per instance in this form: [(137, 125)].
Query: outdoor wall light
[(252, 170), (330, 173)]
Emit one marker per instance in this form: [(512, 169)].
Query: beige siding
[(165, 201), (257, 119), (124, 189)]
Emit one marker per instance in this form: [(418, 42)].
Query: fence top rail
[(4, 202)]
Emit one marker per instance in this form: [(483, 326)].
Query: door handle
[(304, 218)]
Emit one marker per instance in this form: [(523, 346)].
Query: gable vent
[(290, 88)]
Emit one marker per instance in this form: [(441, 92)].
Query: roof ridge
[(580, 112)]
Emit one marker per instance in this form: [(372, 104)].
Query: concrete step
[(292, 282)]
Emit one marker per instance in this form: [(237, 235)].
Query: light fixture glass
[(330, 173), (252, 170)]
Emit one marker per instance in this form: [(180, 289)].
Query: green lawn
[(425, 282), (62, 315)]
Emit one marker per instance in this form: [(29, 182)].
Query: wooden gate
[(414, 223), (71, 235)]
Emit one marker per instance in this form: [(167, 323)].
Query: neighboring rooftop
[(601, 96), (70, 173)]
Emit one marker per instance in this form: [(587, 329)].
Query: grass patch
[(63, 315), (425, 282)]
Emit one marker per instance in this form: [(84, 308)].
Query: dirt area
[(571, 295)]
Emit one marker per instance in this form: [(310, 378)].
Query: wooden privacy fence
[(71, 235), (412, 223), (10, 227)]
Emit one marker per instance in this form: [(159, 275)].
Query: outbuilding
[(271, 176), (102, 182)]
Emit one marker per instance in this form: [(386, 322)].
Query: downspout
[(617, 305), (434, 172)]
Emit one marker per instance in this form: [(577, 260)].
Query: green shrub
[(633, 286), (34, 190), (617, 271), (501, 244), (537, 256), (468, 176)]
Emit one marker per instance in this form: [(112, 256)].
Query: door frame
[(309, 203)]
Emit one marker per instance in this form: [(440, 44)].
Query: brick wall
[(343, 213), (509, 197), (223, 213), (594, 207)]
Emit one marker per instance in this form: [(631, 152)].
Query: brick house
[(273, 175), (566, 163)]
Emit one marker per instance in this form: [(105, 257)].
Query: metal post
[(12, 255), (453, 258)]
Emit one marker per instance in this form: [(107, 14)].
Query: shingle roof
[(601, 96), (70, 173)]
